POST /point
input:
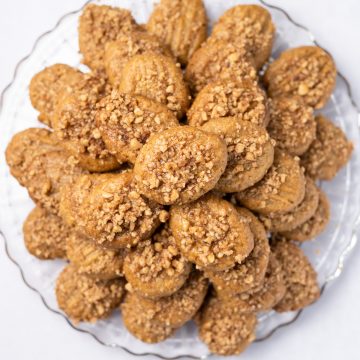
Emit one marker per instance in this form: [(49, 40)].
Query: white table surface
[(327, 330)]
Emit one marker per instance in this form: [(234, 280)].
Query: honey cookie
[(219, 60), (250, 152), (158, 78), (315, 225), (126, 122), (180, 24), (211, 233), (249, 26), (328, 153), (250, 273), (280, 190), (306, 71), (45, 87), (224, 331), (75, 126), (175, 310), (265, 296), (299, 215), (119, 52), (45, 235), (85, 299), (224, 98), (98, 25), (115, 215), (292, 124), (300, 278), (179, 165), (93, 260), (156, 268)]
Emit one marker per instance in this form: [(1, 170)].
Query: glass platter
[(327, 253)]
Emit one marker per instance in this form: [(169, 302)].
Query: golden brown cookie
[(315, 225), (300, 277), (249, 273), (115, 215), (265, 296), (156, 268), (299, 215), (119, 52), (45, 235), (223, 98), (330, 151), (211, 233), (180, 24), (179, 165), (225, 331), (46, 85), (218, 60), (250, 152), (249, 26), (126, 122), (175, 310), (306, 71), (292, 124), (98, 25), (280, 190), (93, 260), (85, 299), (75, 126), (157, 77)]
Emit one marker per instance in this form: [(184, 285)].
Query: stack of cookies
[(176, 180)]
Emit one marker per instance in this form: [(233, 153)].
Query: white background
[(327, 330)]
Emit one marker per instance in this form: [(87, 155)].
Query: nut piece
[(250, 27), (243, 99), (211, 233), (307, 71), (328, 153), (280, 190), (157, 77), (250, 152), (179, 165), (180, 24)]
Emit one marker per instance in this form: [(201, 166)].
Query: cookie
[(45, 87), (315, 225), (180, 24), (118, 53), (249, 26), (299, 215), (306, 71), (158, 78), (250, 152), (179, 165), (156, 268), (93, 260), (127, 121), (175, 310), (211, 233), (224, 331), (250, 273), (115, 215), (292, 124), (243, 99), (300, 278), (85, 299), (75, 126), (218, 61), (280, 190), (328, 153), (45, 235), (98, 25)]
